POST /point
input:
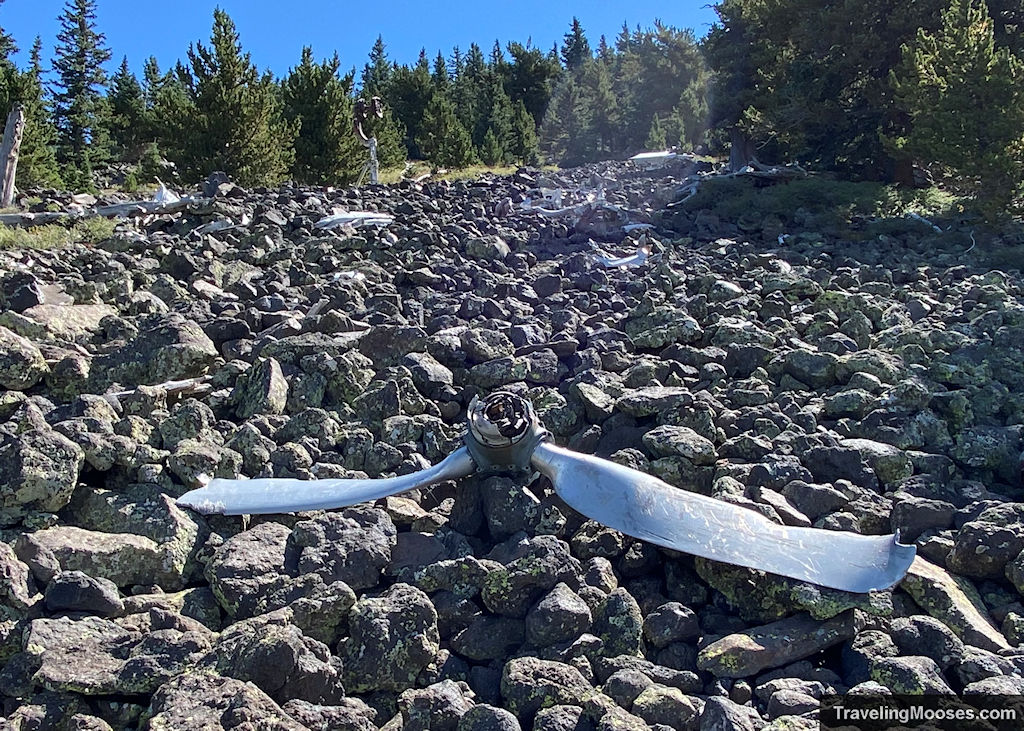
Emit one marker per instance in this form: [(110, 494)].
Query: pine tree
[(469, 94), (408, 94), (377, 73), (444, 141), (127, 113), (7, 45), (491, 152), (440, 77), (811, 81), (37, 159), (499, 120), (37, 164), (655, 136), (605, 122), (9, 81), (530, 78), (604, 107), (523, 146), (78, 102), (576, 47), (965, 99), (498, 64), (235, 114), (326, 149), (455, 64), (168, 109), (151, 81), (566, 134)]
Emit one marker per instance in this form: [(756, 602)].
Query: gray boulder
[(39, 471), (248, 566), (353, 545), (392, 638), (204, 700), (21, 364)]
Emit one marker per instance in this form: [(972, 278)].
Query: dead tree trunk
[(13, 131), (741, 150)]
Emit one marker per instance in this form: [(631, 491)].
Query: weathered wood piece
[(13, 132)]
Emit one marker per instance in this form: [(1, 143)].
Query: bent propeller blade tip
[(201, 501)]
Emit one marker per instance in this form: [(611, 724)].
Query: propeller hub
[(503, 431)]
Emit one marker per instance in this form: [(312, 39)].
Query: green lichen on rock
[(263, 389), (661, 326), (747, 653), (953, 601), (659, 704), (21, 364), (393, 637), (619, 623), (913, 675), (529, 684), (39, 471), (760, 597)]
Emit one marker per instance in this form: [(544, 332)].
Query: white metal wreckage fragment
[(642, 256), (354, 218), (505, 434)]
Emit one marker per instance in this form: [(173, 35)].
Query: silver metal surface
[(504, 433), (242, 497), (644, 507), (636, 260)]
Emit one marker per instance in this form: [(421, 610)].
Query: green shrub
[(826, 201), (85, 231)]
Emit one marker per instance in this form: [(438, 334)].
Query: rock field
[(841, 380)]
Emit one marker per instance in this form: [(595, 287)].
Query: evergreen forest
[(879, 90)]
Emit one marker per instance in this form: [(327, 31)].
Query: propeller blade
[(644, 507), (238, 497)]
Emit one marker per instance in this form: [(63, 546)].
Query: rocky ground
[(848, 379)]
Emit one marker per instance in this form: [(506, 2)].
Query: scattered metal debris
[(351, 276), (222, 224), (659, 159), (356, 219), (641, 257), (505, 433), (592, 213), (973, 243), (692, 183), (165, 195), (917, 217), (197, 385), (636, 260)]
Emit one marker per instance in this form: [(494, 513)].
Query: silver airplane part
[(644, 507), (636, 260), (273, 495), (505, 433)]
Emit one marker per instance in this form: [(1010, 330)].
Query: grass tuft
[(84, 231)]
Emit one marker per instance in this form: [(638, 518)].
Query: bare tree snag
[(741, 150), (13, 131)]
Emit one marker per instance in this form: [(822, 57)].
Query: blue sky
[(275, 32)]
